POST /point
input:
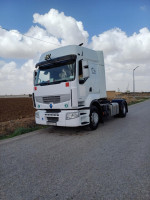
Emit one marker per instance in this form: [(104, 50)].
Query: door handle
[(90, 89)]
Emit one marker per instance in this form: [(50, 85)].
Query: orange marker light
[(67, 84)]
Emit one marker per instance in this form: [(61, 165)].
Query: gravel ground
[(112, 162)]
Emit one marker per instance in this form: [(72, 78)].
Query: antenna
[(80, 44)]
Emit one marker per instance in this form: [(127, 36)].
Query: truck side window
[(80, 70)]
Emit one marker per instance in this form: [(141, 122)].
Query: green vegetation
[(138, 100), (21, 131)]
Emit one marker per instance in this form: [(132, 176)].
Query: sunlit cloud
[(122, 53)]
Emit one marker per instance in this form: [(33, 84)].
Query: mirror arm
[(82, 81)]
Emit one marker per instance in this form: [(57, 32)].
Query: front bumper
[(60, 118)]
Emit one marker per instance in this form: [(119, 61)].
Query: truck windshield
[(55, 73)]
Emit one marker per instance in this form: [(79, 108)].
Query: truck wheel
[(123, 110), (94, 118)]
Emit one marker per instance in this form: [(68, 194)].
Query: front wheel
[(94, 118)]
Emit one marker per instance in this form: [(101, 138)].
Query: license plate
[(51, 123)]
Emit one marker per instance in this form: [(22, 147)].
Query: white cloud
[(122, 53), (67, 29), (57, 30), (15, 45), (14, 80)]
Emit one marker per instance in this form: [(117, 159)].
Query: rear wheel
[(123, 111), (94, 118)]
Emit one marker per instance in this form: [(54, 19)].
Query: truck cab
[(69, 82)]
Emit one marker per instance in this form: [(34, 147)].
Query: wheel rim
[(124, 110), (94, 118)]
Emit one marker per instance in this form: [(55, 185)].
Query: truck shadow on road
[(63, 131), (80, 131)]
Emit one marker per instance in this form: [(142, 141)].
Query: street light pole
[(133, 79)]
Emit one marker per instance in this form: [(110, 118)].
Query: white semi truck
[(70, 89)]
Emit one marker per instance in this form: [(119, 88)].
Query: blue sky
[(121, 28), (97, 15)]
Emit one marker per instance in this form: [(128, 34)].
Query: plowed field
[(15, 108), (15, 113)]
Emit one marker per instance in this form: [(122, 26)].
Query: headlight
[(72, 115), (37, 114)]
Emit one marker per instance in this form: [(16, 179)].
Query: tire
[(94, 118), (123, 111)]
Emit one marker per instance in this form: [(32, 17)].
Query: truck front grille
[(53, 99)]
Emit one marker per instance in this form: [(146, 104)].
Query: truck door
[(84, 80), (94, 77)]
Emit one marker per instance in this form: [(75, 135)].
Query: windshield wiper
[(56, 82), (44, 83), (53, 83)]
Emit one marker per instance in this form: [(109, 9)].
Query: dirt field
[(15, 108), (19, 112), (14, 113), (129, 97)]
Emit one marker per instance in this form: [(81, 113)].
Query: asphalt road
[(110, 163)]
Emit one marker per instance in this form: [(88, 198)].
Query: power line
[(29, 36)]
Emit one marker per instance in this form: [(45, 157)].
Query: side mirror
[(81, 81), (85, 69), (34, 76), (84, 63), (35, 73)]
